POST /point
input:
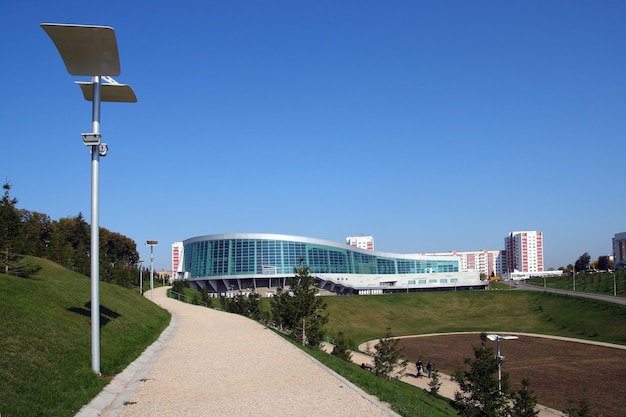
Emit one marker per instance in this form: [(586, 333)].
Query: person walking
[(419, 368), (429, 369)]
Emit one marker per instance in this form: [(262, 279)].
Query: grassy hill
[(45, 339), (366, 318)]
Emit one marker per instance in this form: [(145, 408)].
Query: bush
[(342, 347)]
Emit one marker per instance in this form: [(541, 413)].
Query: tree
[(308, 306), (434, 384), (605, 263), (387, 357), (524, 401), (480, 395), (36, 231), (9, 226), (583, 409), (582, 264), (342, 347), (298, 312)]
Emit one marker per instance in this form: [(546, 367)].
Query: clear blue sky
[(431, 125)]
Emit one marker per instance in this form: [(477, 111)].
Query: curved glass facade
[(266, 254)]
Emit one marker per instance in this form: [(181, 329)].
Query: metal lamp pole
[(500, 358), (92, 51), (140, 276), (152, 244)]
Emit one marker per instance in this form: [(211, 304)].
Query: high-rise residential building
[(177, 259), (524, 252), (619, 250), (362, 242)]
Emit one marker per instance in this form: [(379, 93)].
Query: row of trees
[(295, 311), (66, 241), (584, 264)]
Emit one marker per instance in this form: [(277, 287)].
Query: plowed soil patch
[(559, 371)]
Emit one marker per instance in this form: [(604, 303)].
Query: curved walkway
[(211, 363)]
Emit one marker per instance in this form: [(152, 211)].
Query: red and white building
[(487, 262), (523, 252), (177, 259)]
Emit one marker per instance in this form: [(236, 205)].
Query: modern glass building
[(243, 261)]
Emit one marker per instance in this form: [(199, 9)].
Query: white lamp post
[(92, 51), (140, 262), (500, 358), (152, 244)]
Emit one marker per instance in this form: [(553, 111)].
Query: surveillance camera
[(103, 149), (91, 139)]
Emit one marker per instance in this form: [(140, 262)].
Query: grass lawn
[(364, 318), (45, 368), (601, 283), (45, 339)]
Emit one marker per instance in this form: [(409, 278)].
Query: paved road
[(602, 297)]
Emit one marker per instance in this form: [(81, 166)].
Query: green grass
[(364, 318), (599, 283), (45, 366), (407, 400), (45, 339)]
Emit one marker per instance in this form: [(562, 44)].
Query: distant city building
[(524, 252), (487, 262), (177, 259), (362, 242), (619, 250)]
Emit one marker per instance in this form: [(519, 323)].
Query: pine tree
[(342, 347), (9, 226), (480, 394), (524, 401), (299, 312), (387, 357)]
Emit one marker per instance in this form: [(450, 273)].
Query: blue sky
[(431, 125)]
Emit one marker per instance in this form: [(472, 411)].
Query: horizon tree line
[(66, 241)]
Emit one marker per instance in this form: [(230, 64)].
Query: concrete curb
[(121, 389)]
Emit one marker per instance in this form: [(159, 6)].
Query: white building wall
[(483, 261), (361, 242), (619, 249)]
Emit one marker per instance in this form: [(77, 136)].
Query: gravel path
[(221, 364)]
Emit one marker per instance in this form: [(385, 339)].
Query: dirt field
[(559, 371)]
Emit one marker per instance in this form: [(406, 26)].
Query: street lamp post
[(140, 262), (152, 244), (92, 51), (500, 358)]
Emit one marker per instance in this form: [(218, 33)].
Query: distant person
[(429, 369), (419, 368)]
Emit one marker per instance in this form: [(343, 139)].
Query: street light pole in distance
[(140, 262), (92, 51), (152, 244)]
